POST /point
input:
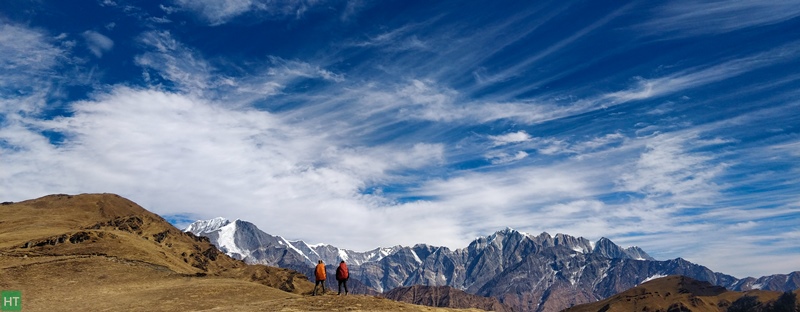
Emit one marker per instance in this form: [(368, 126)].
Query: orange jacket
[(320, 272)]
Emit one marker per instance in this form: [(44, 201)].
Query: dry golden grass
[(101, 252), (663, 293)]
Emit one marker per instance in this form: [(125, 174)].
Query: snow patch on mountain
[(289, 245), (227, 240), (652, 277), (416, 257), (206, 226)]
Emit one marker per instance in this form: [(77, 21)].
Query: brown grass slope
[(673, 293), (102, 252), (444, 296)]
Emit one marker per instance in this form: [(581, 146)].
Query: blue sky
[(670, 125)]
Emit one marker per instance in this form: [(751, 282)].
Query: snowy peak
[(243, 240), (637, 253), (777, 281), (500, 238), (511, 237), (608, 249), (331, 254), (578, 244), (206, 226), (504, 263), (239, 239)]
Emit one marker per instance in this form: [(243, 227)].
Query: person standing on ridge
[(342, 275), (319, 274)]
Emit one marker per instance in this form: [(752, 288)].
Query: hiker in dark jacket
[(342, 275), (319, 274)]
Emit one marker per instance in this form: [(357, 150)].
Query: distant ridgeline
[(526, 272)]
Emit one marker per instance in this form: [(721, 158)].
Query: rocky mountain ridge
[(527, 272)]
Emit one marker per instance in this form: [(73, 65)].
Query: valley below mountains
[(525, 272)]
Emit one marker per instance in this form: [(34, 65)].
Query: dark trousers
[(342, 282), (317, 284)]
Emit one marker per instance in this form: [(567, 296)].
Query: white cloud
[(700, 76), (601, 141), (97, 42), (792, 148), (168, 9), (159, 20), (217, 12), (175, 62), (691, 17), (175, 153), (28, 60), (426, 100), (26, 50), (191, 73), (509, 138), (294, 69), (667, 168), (555, 48), (352, 8), (503, 158), (551, 146), (554, 146), (504, 198)]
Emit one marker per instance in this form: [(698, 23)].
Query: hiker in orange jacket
[(342, 275), (319, 274)]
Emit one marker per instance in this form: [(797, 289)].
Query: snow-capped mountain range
[(527, 272), (244, 241)]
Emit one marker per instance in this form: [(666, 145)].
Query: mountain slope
[(444, 296), (782, 282), (103, 252), (243, 240), (527, 272), (674, 293)]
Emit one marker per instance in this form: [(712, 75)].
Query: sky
[(669, 125)]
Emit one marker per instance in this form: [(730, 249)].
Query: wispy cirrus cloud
[(184, 68), (174, 63), (29, 68), (697, 77), (282, 68), (666, 168), (217, 12), (691, 17), (498, 158)]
